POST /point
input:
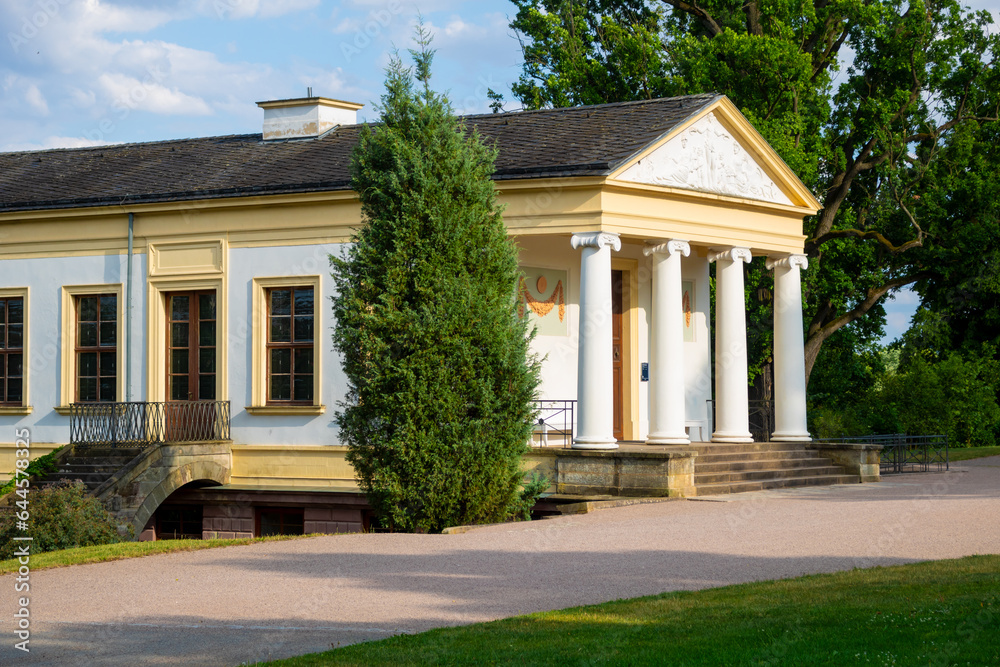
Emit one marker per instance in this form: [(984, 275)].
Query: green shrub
[(439, 408), (39, 467), (60, 516)]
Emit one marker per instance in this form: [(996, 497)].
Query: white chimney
[(306, 117)]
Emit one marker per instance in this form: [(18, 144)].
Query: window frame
[(260, 361), (97, 349), (23, 407), (70, 307)]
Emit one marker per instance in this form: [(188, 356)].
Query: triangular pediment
[(706, 156)]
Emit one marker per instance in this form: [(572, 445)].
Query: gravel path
[(229, 606)]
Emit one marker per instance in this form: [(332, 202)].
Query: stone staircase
[(735, 468), (93, 466)]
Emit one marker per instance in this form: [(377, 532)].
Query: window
[(290, 345), (97, 348), (12, 350), (285, 360), (92, 362), (280, 521)]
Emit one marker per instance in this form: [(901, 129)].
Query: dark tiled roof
[(579, 141)]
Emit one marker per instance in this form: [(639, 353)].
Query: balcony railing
[(141, 424), (554, 425)]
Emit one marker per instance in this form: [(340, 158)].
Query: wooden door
[(191, 365), (617, 351)]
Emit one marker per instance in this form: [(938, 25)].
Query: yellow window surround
[(25, 408), (258, 370), (67, 375)]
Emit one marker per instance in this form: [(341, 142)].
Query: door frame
[(156, 334), (630, 344)]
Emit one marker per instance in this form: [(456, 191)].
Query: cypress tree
[(438, 412)]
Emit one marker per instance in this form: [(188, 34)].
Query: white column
[(732, 418), (789, 351), (666, 346), (595, 416)]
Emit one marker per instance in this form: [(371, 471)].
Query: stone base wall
[(643, 472), (859, 459), (226, 522), (332, 521)]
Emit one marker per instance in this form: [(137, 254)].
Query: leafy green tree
[(439, 409), (874, 103)]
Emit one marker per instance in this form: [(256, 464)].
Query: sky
[(90, 72)]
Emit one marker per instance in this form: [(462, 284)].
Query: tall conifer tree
[(439, 411)]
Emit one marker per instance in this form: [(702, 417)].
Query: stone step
[(738, 447), (755, 456), (784, 482), (757, 475), (759, 464)]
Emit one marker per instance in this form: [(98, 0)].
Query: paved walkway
[(228, 606)]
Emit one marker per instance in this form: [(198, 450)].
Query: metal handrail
[(139, 424), (905, 453), (555, 423)]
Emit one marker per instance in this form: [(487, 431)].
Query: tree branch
[(694, 10)]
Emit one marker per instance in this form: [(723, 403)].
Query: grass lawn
[(933, 613), (966, 453), (106, 552)]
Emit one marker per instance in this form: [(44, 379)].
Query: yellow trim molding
[(258, 366), (67, 375), (187, 270), (25, 407)]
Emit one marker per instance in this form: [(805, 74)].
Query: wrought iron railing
[(905, 453), (554, 425), (141, 424)]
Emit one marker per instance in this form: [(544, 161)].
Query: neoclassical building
[(177, 292)]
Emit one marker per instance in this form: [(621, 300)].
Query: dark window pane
[(88, 308), (303, 388), (206, 307), (14, 368), (109, 363), (15, 336), (281, 330), (108, 389), (303, 329), (304, 360), (3, 385), (206, 334), (88, 389), (15, 314), (281, 388), (109, 334), (88, 334), (179, 334), (3, 336), (281, 302), (206, 387), (179, 387), (179, 308), (206, 360), (13, 390), (3, 310), (109, 308), (179, 361), (88, 364), (281, 361), (3, 365), (304, 301)]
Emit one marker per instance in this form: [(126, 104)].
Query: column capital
[(596, 240), (791, 261), (735, 254), (671, 247)]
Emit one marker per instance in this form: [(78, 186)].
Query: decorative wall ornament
[(687, 303), (734, 254), (794, 261), (547, 310), (671, 247), (596, 240), (706, 157)]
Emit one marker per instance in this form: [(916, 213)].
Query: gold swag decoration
[(539, 307)]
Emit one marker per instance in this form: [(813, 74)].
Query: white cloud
[(246, 9), (133, 94), (33, 96), (54, 142)]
